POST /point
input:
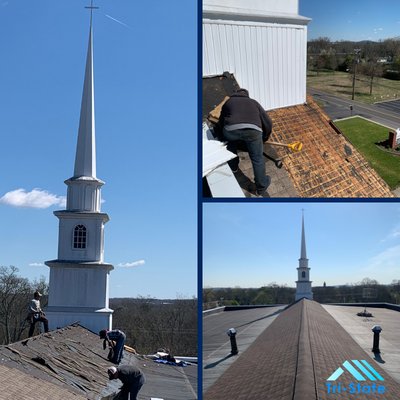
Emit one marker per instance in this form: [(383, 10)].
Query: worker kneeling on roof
[(132, 379), (244, 119), (115, 336)]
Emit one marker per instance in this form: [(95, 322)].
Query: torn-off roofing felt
[(294, 357), (72, 360), (215, 89)]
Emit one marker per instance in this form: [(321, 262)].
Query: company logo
[(363, 366), (360, 371)]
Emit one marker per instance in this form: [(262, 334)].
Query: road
[(387, 113)]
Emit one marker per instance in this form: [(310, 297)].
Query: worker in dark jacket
[(118, 337), (243, 119), (132, 379)]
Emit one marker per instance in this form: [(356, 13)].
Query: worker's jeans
[(132, 389), (118, 349), (254, 143), (38, 318)]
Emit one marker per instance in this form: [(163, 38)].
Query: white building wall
[(268, 59), (95, 321), (273, 6), (87, 286)]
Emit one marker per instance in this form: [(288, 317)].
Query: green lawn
[(363, 135)]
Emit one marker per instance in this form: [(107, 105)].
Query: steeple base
[(303, 289), (92, 319), (308, 295)]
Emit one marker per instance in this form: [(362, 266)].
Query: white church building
[(78, 283), (303, 283)]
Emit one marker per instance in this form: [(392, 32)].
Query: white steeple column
[(303, 284), (79, 290)]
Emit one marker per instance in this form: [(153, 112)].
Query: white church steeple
[(303, 284), (85, 159), (78, 284)]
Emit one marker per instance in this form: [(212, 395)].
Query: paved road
[(393, 105), (386, 113)]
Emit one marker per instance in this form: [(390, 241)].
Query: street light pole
[(356, 61)]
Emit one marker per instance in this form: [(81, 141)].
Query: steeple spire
[(303, 283), (303, 253), (85, 159)]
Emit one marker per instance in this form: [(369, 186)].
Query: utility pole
[(356, 61)]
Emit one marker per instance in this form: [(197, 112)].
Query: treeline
[(149, 324), (368, 290), (16, 293), (380, 59), (152, 324)]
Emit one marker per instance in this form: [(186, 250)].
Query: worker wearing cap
[(244, 119), (131, 377), (36, 314), (118, 337)]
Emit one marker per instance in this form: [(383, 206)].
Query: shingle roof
[(293, 358), (16, 384), (70, 363), (327, 166)]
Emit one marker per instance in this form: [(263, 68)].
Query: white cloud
[(36, 264), (388, 259), (37, 198), (133, 264)]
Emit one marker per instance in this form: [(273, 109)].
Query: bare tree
[(15, 293), (371, 69)]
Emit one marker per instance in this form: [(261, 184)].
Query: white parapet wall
[(265, 6), (263, 43)]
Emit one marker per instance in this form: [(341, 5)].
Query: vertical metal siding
[(267, 59)]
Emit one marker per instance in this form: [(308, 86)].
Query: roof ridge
[(305, 382)]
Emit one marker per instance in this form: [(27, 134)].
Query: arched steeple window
[(80, 237), (303, 274)]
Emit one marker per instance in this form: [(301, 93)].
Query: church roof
[(293, 358), (70, 363), (327, 166)]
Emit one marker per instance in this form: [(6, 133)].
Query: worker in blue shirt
[(114, 336)]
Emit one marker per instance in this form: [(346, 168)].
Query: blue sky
[(145, 62), (352, 20), (251, 245)]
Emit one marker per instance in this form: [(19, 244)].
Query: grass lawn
[(363, 135), (341, 84)]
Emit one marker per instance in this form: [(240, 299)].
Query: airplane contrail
[(116, 20), (137, 263)]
